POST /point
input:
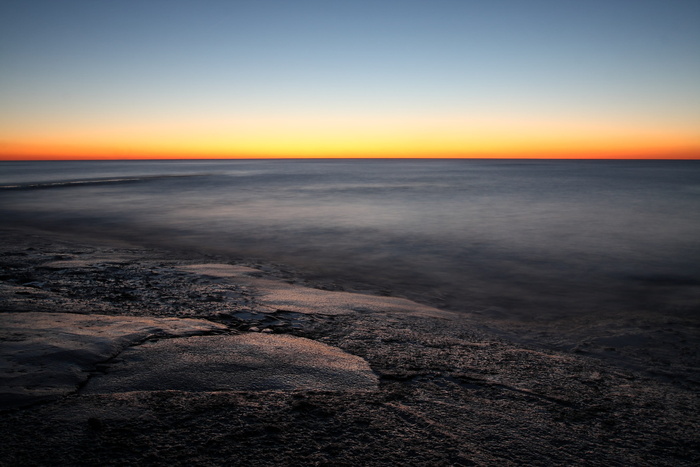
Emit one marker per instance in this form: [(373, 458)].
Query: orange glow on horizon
[(286, 138), (582, 150), (538, 155), (577, 153)]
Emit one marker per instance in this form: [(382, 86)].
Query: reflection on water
[(529, 238)]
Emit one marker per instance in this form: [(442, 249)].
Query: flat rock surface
[(47, 355), (443, 390), (281, 296), (241, 363)]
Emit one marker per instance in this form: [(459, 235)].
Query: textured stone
[(244, 362), (47, 355)]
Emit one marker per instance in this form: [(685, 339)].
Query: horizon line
[(176, 158)]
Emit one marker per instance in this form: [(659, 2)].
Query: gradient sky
[(334, 78)]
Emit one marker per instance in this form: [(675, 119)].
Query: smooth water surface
[(526, 238)]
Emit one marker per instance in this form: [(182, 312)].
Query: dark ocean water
[(532, 239)]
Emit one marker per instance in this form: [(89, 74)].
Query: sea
[(527, 241)]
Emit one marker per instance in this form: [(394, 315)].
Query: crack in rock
[(44, 356)]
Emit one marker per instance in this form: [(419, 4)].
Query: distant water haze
[(519, 238)]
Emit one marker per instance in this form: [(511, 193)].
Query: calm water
[(526, 238)]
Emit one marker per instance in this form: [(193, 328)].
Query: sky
[(92, 79)]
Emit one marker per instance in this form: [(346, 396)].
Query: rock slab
[(246, 362), (47, 355)]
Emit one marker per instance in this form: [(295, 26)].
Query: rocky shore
[(117, 355)]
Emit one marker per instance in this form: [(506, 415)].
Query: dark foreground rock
[(433, 388)]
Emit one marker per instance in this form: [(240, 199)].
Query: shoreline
[(440, 390), (663, 344)]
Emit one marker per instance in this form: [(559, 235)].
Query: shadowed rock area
[(115, 355)]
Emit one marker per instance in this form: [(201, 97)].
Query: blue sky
[(503, 67)]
